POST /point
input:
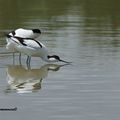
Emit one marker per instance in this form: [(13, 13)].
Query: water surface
[(84, 32)]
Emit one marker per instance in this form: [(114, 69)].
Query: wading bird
[(32, 47), (21, 33)]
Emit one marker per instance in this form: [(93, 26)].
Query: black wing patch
[(8, 36), (38, 43), (21, 40)]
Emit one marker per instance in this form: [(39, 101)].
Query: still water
[(84, 32)]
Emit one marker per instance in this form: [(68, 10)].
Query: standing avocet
[(31, 47), (22, 33)]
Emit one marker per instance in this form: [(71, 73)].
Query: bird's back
[(24, 33)]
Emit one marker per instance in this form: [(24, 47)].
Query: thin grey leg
[(28, 61), (20, 59)]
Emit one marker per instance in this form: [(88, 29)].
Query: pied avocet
[(32, 47), (22, 33)]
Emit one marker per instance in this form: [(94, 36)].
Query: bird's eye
[(57, 57)]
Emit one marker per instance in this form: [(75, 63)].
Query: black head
[(36, 31), (57, 58), (54, 56)]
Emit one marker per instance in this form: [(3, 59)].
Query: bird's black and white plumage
[(31, 47), (26, 33), (20, 34)]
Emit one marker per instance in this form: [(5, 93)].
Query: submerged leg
[(28, 61), (20, 58)]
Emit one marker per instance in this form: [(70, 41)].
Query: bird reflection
[(23, 80)]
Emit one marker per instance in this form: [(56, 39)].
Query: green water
[(84, 32)]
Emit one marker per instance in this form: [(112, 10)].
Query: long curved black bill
[(65, 61)]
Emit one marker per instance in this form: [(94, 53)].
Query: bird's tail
[(8, 36)]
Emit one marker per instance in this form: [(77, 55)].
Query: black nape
[(36, 31), (54, 56)]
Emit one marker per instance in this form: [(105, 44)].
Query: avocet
[(32, 47), (21, 33)]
